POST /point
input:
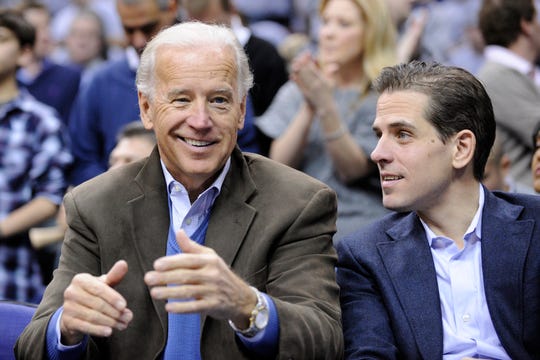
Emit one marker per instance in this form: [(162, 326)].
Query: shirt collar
[(217, 184), (503, 56), (474, 227), (18, 102)]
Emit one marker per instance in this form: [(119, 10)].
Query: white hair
[(193, 34)]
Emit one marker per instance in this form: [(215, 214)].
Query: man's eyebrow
[(175, 92), (223, 91), (396, 124)]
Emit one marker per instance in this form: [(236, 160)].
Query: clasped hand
[(315, 83), (197, 276)]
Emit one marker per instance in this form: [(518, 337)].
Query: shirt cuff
[(265, 343), (55, 349)]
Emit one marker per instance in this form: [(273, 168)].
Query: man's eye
[(220, 100), (403, 135)]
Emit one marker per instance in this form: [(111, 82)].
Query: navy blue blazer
[(389, 296)]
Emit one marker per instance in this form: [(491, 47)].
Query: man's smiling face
[(195, 111)]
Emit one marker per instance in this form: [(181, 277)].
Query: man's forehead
[(401, 100), (197, 55)]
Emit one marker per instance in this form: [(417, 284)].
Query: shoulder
[(264, 55), (62, 71), (365, 239), (529, 203), (110, 77), (267, 172), (494, 73), (40, 113), (256, 43), (273, 186), (110, 186), (119, 67)]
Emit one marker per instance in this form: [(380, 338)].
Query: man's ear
[(464, 146), (527, 27), (144, 109)]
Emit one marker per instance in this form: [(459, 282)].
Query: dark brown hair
[(457, 101)]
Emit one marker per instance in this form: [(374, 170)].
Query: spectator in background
[(497, 167), (270, 20), (85, 45), (444, 28), (511, 30), (535, 163), (321, 120), (109, 100), (409, 28), (105, 9), (134, 143), (468, 51), (230, 254), (34, 157), (269, 68), (496, 173), (53, 84), (292, 46)]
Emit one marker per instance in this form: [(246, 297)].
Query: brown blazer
[(273, 225)]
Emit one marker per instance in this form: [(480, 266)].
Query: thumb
[(189, 246), (116, 273)]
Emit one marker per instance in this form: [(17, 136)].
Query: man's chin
[(394, 206)]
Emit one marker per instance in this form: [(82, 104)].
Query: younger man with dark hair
[(454, 273), (33, 157)]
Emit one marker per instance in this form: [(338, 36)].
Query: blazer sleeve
[(303, 286), (366, 322), (79, 240)]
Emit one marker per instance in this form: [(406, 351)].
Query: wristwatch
[(258, 318)]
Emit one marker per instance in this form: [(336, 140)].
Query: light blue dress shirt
[(467, 326)]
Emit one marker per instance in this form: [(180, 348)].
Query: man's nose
[(381, 151), (200, 116)]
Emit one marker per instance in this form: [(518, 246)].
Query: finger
[(181, 292), (94, 288), (189, 246), (94, 317), (116, 273), (173, 276), (76, 320), (89, 296), (300, 61), (194, 306), (84, 327)]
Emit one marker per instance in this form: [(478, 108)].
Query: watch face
[(261, 320)]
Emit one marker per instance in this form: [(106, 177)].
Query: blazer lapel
[(505, 243), (408, 261), (150, 221), (231, 215)]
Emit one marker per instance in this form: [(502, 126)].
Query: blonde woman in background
[(321, 120)]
